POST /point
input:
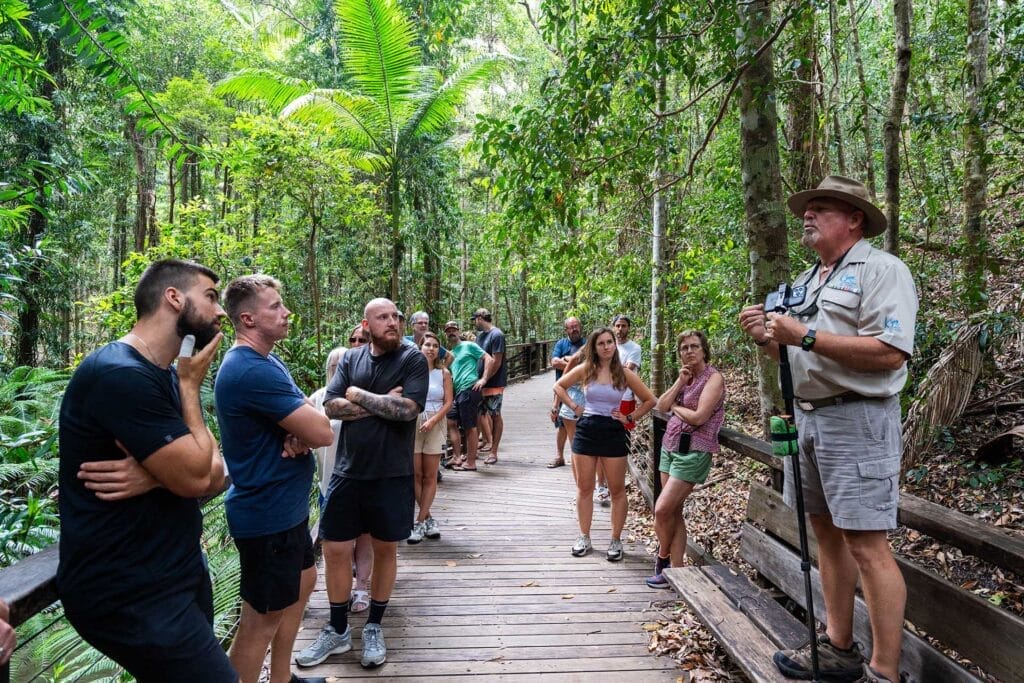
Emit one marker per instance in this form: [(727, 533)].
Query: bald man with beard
[(377, 392)]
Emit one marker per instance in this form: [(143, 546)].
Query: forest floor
[(948, 474)]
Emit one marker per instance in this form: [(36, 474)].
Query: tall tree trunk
[(397, 244), (804, 165), (170, 191), (892, 130), (865, 109), (313, 276), (834, 92), (659, 222), (762, 183), (145, 187), (975, 162)]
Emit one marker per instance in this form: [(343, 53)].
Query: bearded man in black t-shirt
[(377, 391), (135, 454)]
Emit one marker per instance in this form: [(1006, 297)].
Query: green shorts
[(692, 467)]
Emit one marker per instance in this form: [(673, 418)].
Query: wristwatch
[(807, 343)]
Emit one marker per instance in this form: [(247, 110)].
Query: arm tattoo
[(343, 409), (389, 407)]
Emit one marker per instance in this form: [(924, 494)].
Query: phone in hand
[(188, 345)]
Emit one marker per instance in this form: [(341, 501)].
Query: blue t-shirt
[(493, 342), (566, 347), (115, 553), (269, 493)]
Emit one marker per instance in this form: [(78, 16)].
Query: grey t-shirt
[(871, 294), (373, 447)]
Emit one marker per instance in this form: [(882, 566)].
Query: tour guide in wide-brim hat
[(848, 190)]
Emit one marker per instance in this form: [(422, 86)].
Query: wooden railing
[(528, 359), (979, 630)]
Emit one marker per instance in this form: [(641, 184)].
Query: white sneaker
[(430, 529), (417, 533), (582, 546), (603, 497)]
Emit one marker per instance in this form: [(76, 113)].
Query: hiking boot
[(416, 535), (614, 553), (375, 652), (430, 529), (603, 496), (833, 663), (871, 676), (582, 546), (328, 642)]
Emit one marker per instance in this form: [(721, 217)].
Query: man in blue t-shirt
[(267, 427), (378, 392), (135, 454), (565, 348)]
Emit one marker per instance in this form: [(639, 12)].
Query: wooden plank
[(30, 585), (1001, 547), (348, 667), (994, 637), (782, 567), (781, 627), (750, 649), (749, 446)]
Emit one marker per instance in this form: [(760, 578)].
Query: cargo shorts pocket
[(879, 483)]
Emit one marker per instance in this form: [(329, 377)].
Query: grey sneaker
[(430, 529), (614, 553), (328, 642), (871, 676), (582, 546), (417, 534), (833, 663), (375, 652)]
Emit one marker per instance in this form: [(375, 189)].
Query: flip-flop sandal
[(463, 468), (557, 462), (491, 461), (484, 449), (360, 601)]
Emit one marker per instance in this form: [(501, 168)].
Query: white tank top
[(435, 392)]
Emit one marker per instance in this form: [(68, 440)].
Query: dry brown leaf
[(452, 563), (529, 584), (568, 596), (652, 627), (611, 590)]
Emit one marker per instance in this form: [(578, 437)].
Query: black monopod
[(789, 448)]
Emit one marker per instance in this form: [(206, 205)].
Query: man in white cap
[(850, 333)]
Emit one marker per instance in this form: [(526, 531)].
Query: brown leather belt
[(848, 397)]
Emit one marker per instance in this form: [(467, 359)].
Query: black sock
[(376, 611), (339, 615), (661, 564)]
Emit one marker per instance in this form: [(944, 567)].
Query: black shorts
[(164, 639), (600, 435), (466, 408), (383, 508), (272, 567)]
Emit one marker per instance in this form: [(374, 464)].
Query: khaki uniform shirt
[(870, 294)]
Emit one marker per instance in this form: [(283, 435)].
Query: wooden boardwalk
[(498, 595)]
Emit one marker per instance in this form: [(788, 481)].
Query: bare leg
[(885, 594), (616, 473), (455, 439), (570, 434), (584, 466), (560, 442), (602, 477), (497, 427), (428, 484), (284, 639), (484, 424), (249, 648), (364, 562), (669, 524), (471, 447), (338, 574), (385, 569), (417, 483), (838, 579)]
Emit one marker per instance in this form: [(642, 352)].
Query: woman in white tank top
[(430, 439)]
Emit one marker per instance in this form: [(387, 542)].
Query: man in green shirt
[(468, 382)]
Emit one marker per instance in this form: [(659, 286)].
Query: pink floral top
[(705, 437)]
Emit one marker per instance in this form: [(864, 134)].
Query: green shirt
[(464, 365)]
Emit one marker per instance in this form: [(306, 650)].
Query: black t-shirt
[(375, 448), (493, 342), (112, 553)]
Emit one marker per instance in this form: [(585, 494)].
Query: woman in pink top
[(696, 401), (601, 432)]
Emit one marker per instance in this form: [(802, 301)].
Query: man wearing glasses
[(420, 321), (850, 335)]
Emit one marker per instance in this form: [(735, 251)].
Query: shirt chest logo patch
[(848, 283)]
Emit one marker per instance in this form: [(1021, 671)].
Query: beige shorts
[(432, 442)]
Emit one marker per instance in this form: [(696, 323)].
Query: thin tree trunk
[(659, 221), (762, 183), (893, 128), (865, 110), (397, 244), (803, 153), (170, 192), (144, 189), (975, 163), (837, 135)]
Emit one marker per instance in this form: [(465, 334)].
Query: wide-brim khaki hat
[(848, 190)]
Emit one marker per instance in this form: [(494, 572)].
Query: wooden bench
[(751, 624)]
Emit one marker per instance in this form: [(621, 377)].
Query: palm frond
[(438, 106), (379, 52), (356, 119), (264, 85)]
